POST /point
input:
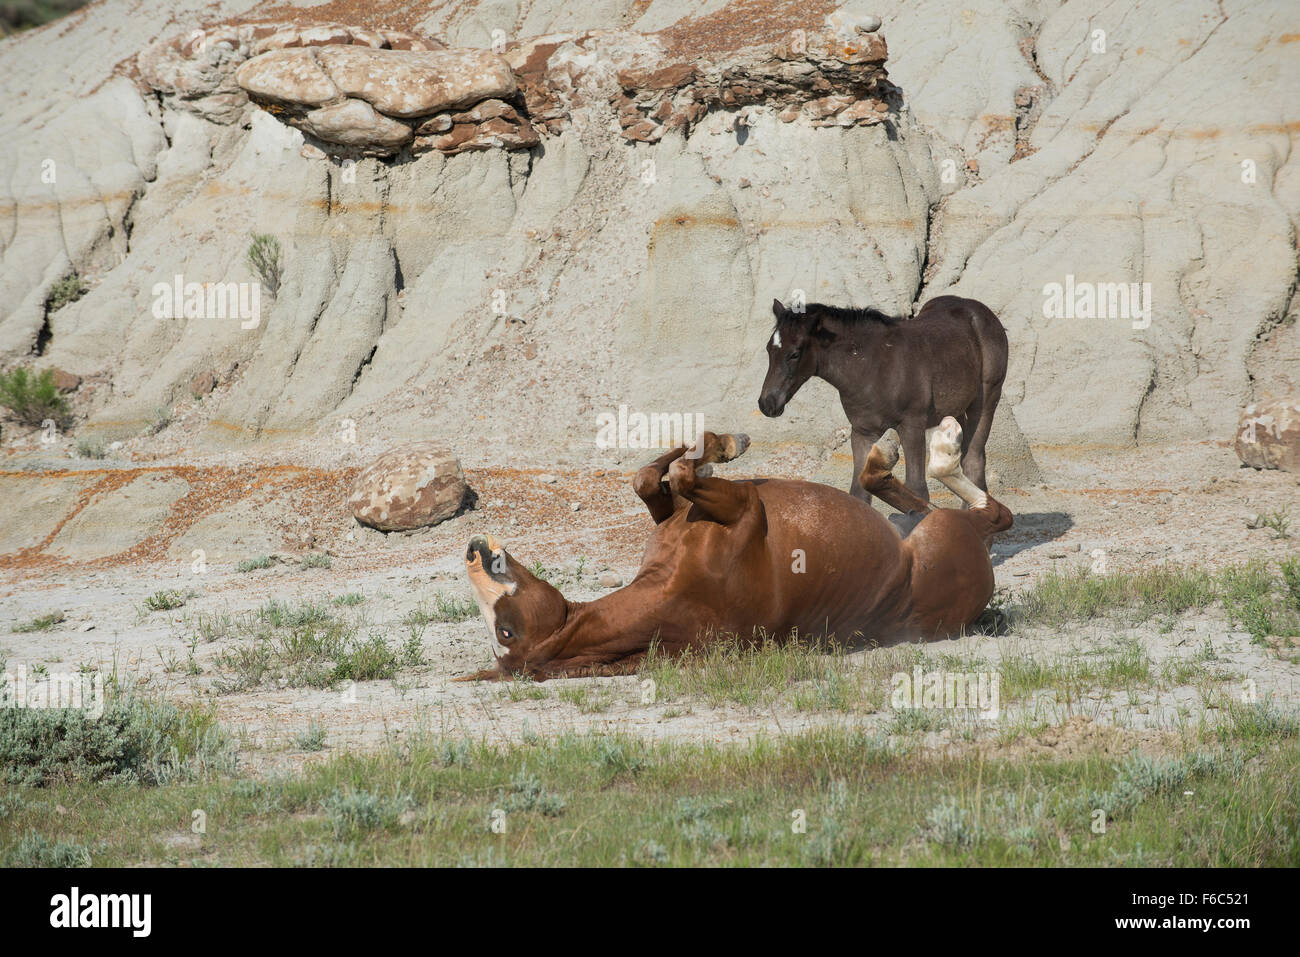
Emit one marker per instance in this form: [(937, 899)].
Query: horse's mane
[(817, 310)]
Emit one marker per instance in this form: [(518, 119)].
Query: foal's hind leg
[(981, 416)]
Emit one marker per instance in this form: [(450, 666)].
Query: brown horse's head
[(790, 360), (521, 610)]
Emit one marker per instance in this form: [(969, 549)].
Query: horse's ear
[(778, 310)]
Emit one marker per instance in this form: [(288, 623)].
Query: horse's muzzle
[(770, 407)]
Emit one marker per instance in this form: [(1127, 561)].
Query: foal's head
[(521, 610), (790, 359)]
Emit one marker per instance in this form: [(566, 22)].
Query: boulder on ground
[(1268, 436), (407, 487)]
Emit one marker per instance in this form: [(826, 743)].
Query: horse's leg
[(877, 477), (989, 515), (649, 483), (862, 443), (725, 502), (913, 436), (973, 460)]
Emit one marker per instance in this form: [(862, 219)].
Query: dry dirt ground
[(91, 540)]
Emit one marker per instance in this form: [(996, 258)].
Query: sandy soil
[(1188, 503)]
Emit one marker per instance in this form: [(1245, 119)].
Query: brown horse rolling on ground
[(753, 557)]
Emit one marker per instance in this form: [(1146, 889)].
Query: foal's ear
[(778, 310)]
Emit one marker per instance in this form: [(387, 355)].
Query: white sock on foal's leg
[(945, 463)]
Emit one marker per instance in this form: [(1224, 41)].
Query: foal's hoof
[(945, 449)]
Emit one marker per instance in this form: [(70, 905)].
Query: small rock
[(547, 479), (576, 506), (66, 381), (203, 384), (88, 626), (610, 580)]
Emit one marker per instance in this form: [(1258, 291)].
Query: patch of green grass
[(41, 623), (1259, 722), (280, 614), (803, 674), (315, 560), (1255, 598), (587, 698), (312, 739), (349, 599), (253, 564), (446, 608), (830, 797), (168, 600), (413, 647), (1064, 596), (33, 399), (368, 660), (1279, 522), (91, 449)]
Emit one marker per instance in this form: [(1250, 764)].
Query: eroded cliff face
[(598, 212)]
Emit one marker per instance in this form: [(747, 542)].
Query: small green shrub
[(264, 257), (363, 811), (36, 850), (152, 742), (68, 289), (32, 399), (165, 600)]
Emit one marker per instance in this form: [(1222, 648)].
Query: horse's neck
[(842, 360), (593, 625)]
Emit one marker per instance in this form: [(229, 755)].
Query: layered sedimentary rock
[(370, 93)]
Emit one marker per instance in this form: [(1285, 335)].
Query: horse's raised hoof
[(734, 446), (889, 447), (945, 449), (711, 447)]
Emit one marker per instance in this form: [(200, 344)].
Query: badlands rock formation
[(604, 220)]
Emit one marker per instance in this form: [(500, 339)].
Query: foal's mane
[(817, 310)]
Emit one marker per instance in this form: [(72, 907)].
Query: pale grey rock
[(355, 123)]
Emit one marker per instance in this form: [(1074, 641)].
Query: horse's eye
[(794, 356), (507, 634)]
